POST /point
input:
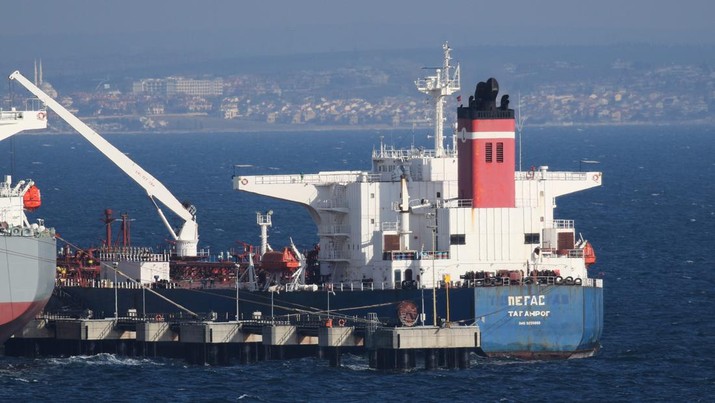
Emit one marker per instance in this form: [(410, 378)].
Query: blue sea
[(652, 224)]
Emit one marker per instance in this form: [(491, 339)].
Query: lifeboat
[(32, 199), (589, 255), (275, 261)]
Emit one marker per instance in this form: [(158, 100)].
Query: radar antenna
[(438, 86)]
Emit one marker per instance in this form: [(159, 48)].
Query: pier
[(249, 341)]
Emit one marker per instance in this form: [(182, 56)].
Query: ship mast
[(438, 86)]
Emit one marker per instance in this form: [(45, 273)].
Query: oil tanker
[(27, 250), (453, 235)]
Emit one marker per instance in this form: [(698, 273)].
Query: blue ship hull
[(540, 321), (525, 321)]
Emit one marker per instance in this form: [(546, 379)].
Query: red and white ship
[(457, 231), (27, 250)]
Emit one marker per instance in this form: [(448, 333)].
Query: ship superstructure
[(419, 216)]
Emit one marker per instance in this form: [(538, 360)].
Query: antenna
[(438, 86), (519, 125)]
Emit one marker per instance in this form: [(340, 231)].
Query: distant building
[(188, 86), (150, 86), (178, 85)]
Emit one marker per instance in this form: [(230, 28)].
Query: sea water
[(652, 224)]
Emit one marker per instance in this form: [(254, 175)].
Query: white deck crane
[(188, 236)]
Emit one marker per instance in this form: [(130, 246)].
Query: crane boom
[(187, 239)]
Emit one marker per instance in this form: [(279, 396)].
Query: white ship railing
[(455, 203), (317, 179), (264, 219), (551, 175), (133, 257), (132, 254), (548, 252), (561, 224), (128, 284), (31, 105), (10, 115), (391, 153), (334, 254), (342, 286), (356, 286), (414, 255)]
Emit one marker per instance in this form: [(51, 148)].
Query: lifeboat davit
[(589, 255), (275, 261), (32, 199)]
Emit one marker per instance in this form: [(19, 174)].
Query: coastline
[(258, 127)]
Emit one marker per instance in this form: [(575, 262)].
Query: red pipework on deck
[(126, 235), (108, 224)]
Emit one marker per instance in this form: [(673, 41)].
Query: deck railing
[(317, 179)]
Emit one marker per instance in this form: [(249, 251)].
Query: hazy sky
[(74, 27)]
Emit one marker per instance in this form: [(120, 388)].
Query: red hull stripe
[(10, 311), (15, 315)]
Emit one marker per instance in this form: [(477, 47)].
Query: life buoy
[(341, 322), (244, 181), (41, 115), (530, 174), (159, 318), (596, 177)]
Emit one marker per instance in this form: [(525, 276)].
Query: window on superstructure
[(457, 239), (531, 238), (488, 152), (500, 152)]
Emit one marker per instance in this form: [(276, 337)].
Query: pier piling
[(247, 342)]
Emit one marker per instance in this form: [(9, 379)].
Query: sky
[(70, 28)]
